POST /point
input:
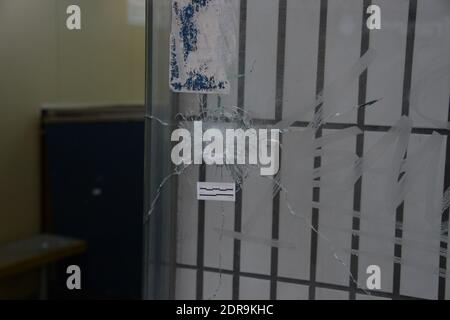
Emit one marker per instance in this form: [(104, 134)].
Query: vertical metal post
[(159, 217)]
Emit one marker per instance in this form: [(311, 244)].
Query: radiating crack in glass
[(281, 188), (223, 117), (240, 118), (177, 172)]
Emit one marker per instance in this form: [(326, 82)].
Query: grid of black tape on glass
[(351, 289)]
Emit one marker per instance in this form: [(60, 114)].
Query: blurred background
[(64, 94)]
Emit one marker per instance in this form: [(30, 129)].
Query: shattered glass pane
[(363, 123)]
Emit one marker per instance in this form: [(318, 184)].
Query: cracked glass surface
[(359, 184)]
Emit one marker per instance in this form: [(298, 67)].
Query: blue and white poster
[(202, 45)]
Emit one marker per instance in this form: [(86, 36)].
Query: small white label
[(216, 191)]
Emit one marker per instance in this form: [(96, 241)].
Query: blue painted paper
[(200, 46)]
